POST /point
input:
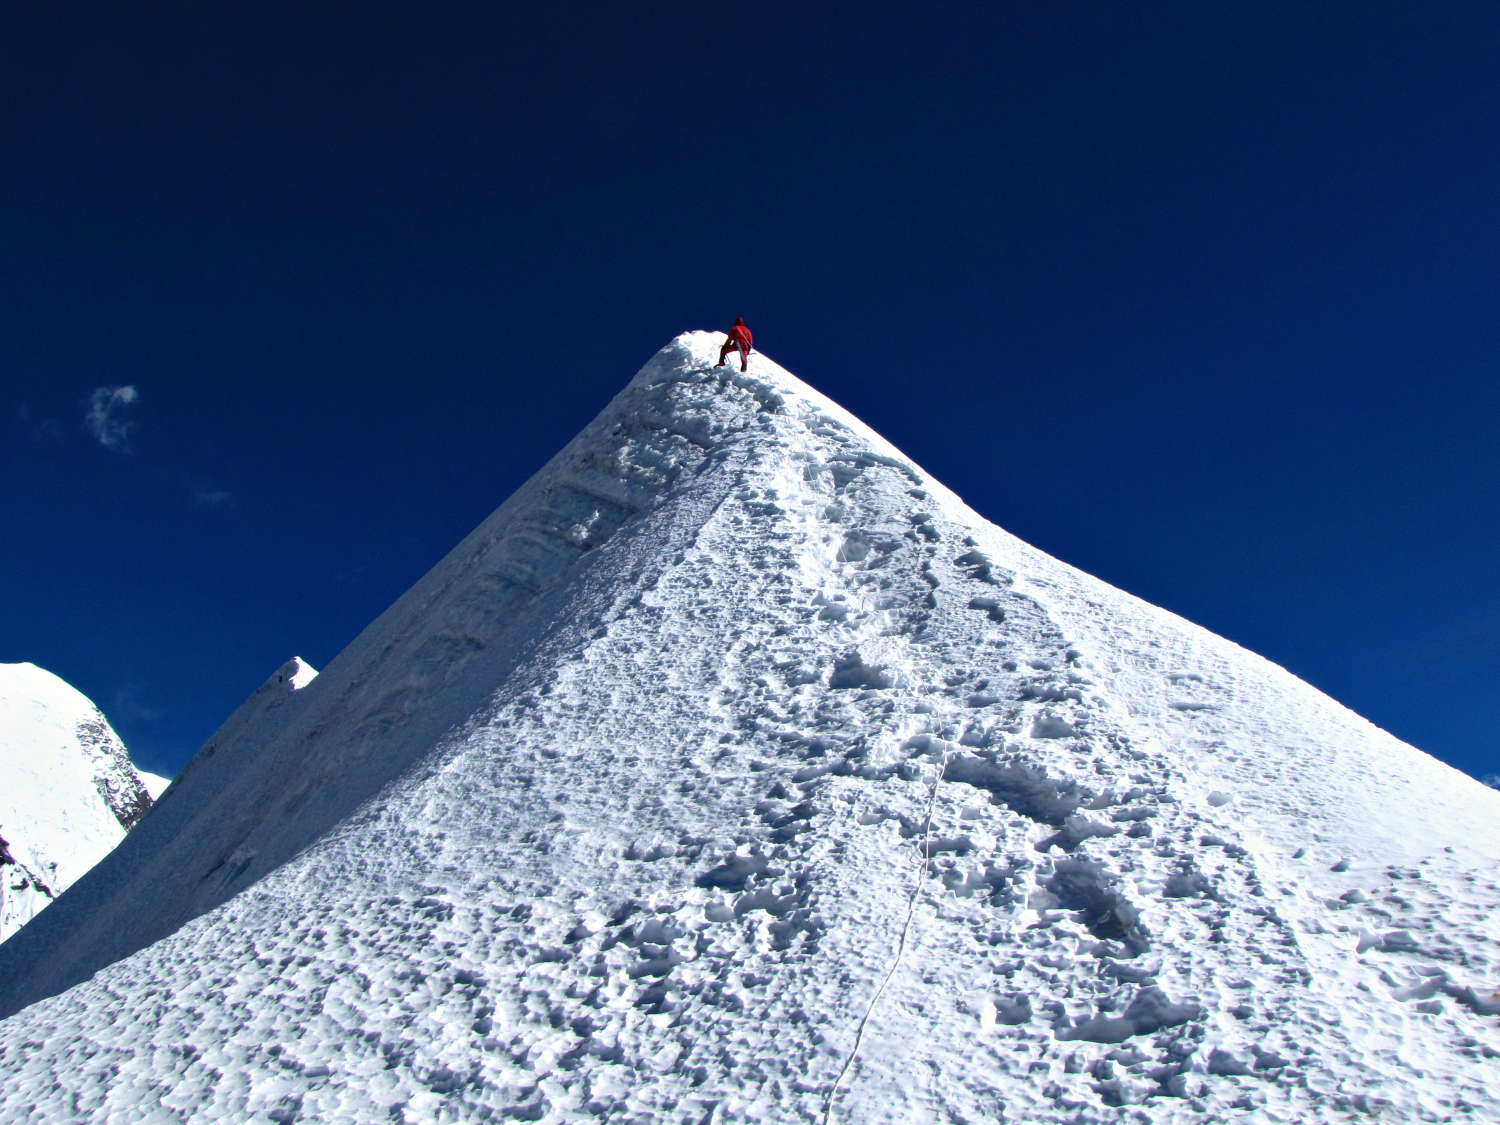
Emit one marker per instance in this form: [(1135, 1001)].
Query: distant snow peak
[(155, 784), (68, 790), (295, 674)]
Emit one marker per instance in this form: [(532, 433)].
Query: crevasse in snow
[(734, 770)]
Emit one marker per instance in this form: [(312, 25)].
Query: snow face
[(734, 770), (67, 790), (155, 784)]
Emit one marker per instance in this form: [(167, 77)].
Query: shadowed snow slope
[(68, 791), (734, 770)]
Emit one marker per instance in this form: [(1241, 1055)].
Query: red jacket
[(739, 334)]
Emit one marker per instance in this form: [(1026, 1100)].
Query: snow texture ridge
[(734, 770), (68, 790)]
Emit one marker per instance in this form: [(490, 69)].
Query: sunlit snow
[(155, 784), (68, 790), (734, 770)]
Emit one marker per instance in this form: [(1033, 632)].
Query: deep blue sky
[(1201, 299)]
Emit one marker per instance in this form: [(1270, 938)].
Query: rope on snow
[(911, 908)]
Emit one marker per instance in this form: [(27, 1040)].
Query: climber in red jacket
[(739, 340)]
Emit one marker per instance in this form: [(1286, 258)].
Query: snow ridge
[(734, 770)]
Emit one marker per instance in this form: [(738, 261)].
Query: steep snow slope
[(735, 771), (67, 790)]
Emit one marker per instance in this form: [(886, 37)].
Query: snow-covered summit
[(68, 791), (734, 770)]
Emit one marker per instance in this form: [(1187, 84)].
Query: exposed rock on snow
[(734, 770), (68, 791)]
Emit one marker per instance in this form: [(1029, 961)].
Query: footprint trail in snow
[(735, 771)]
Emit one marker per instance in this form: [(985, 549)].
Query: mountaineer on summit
[(739, 339)]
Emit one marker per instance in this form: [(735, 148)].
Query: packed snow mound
[(68, 791), (734, 770)]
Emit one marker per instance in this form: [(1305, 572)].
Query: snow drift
[(734, 770)]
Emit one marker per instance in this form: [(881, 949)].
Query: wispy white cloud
[(207, 496), (127, 704), (1470, 635), (107, 419), (45, 430), (1493, 781), (356, 573)]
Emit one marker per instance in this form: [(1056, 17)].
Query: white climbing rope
[(911, 909)]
